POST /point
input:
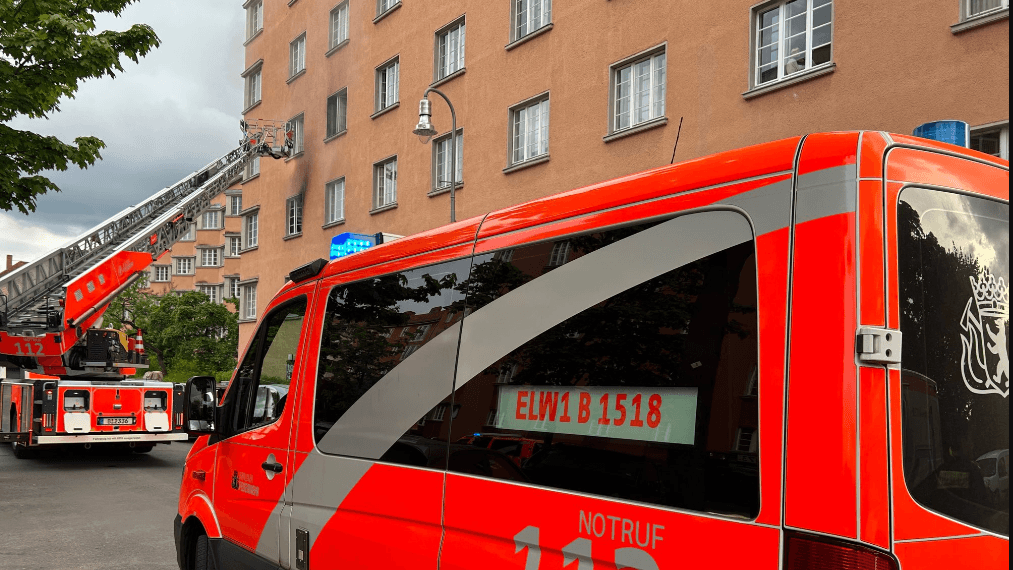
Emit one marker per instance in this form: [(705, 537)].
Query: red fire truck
[(63, 378), (786, 356)]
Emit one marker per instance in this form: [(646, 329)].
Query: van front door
[(251, 460), (371, 446)]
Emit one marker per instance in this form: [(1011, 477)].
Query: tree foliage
[(189, 327), (47, 47), (182, 331)]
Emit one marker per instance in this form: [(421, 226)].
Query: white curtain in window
[(443, 162), (339, 25), (334, 198)]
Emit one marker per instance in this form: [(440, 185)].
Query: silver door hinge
[(878, 345)]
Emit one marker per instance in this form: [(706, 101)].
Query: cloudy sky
[(169, 115)]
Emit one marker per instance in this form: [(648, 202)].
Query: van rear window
[(648, 394), (953, 253)]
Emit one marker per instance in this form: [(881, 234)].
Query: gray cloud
[(169, 115)]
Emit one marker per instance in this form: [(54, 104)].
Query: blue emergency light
[(349, 243), (953, 132)]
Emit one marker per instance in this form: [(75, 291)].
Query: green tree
[(190, 331), (47, 47)]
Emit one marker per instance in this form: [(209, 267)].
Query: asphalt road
[(89, 509)]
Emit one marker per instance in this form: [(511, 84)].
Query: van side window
[(370, 328), (263, 378), (953, 271), (638, 396)]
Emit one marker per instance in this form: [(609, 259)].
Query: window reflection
[(954, 269), (642, 396)]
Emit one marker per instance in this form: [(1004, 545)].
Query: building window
[(530, 129), (162, 273), (560, 253), (210, 220), (745, 440), (792, 37), (251, 229), (506, 373), (254, 18), (752, 388), (529, 16), (383, 6), (210, 290), (439, 412), (249, 302), (387, 84), (184, 266), (441, 161), (297, 55), (297, 134), (638, 90), (334, 201), (210, 257), (188, 234), (252, 88), (385, 183), (235, 204), (252, 168), (337, 113), (235, 290), (982, 7), (339, 24), (293, 216), (450, 49), (992, 140), (235, 245)]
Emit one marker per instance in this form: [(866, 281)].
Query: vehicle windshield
[(987, 466), (953, 256)]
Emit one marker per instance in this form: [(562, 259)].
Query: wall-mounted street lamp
[(426, 131)]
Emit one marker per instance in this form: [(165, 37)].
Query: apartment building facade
[(207, 258), (550, 95)]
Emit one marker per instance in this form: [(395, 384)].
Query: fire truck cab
[(785, 356)]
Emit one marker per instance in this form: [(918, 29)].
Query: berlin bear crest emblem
[(984, 358)]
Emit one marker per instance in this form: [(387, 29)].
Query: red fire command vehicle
[(792, 355)]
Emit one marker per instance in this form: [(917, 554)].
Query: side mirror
[(201, 407)]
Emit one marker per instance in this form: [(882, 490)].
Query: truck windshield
[(953, 256)]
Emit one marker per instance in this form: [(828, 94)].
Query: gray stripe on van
[(769, 206), (317, 490), (391, 406), (396, 402), (826, 192)]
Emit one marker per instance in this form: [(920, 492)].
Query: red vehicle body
[(708, 353)]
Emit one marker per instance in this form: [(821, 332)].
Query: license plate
[(117, 421)]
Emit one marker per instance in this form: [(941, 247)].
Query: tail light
[(808, 552)]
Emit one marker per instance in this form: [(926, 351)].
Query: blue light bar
[(953, 132), (349, 243)]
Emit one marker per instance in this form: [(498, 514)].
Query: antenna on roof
[(676, 141)]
